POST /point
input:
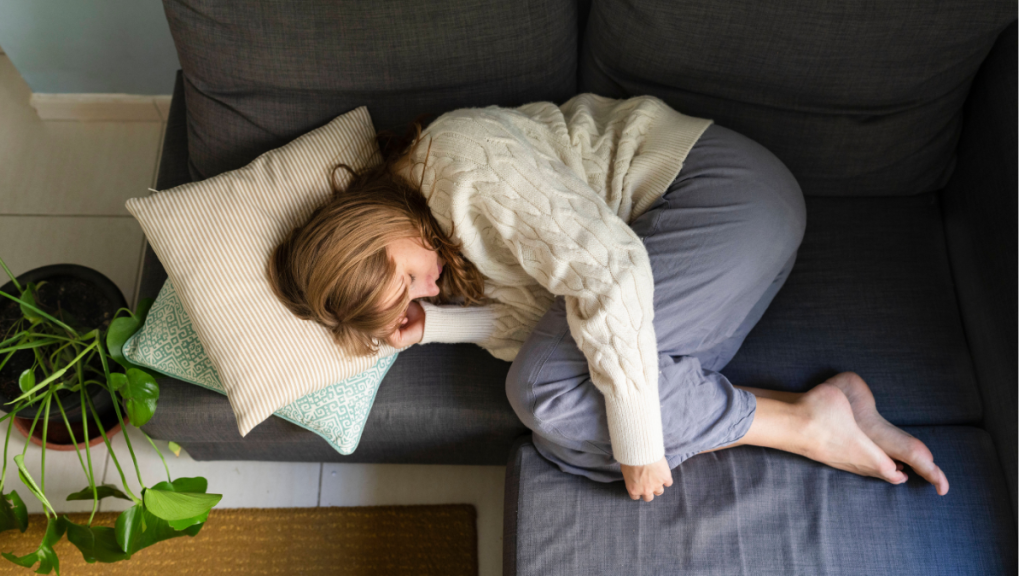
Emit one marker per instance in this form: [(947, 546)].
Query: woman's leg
[(794, 422), (721, 242)]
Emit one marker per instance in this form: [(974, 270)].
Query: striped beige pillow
[(215, 237)]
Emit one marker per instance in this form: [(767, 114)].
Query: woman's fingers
[(647, 481)]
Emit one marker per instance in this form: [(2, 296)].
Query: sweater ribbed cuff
[(453, 324), (634, 424)]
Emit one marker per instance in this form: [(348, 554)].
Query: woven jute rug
[(252, 541)]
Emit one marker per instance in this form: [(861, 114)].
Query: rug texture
[(351, 540)]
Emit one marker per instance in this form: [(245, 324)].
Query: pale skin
[(834, 423)]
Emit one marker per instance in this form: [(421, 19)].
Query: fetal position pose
[(617, 252)]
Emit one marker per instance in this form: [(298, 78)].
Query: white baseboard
[(101, 107)]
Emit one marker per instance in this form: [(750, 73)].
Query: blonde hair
[(335, 269)]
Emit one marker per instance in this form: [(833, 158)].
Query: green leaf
[(29, 483), (183, 524), (142, 309), (96, 543), (13, 514), (27, 298), (102, 491), (197, 484), (28, 345), (140, 411), (172, 506), (118, 380), (45, 555), (120, 330), (174, 447), (128, 529), (142, 392), (27, 380), (140, 529)]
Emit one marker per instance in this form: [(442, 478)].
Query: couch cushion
[(259, 75), (753, 510), (856, 98), (439, 403), (871, 292)]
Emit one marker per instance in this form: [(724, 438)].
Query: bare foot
[(895, 442), (836, 439)]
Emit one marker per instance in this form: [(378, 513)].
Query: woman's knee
[(517, 387), (775, 214)]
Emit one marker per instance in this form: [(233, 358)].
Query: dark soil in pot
[(81, 298)]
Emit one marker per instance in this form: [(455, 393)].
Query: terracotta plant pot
[(56, 433)]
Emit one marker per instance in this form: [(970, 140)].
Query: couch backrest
[(258, 75), (855, 97)]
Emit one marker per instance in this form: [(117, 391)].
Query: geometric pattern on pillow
[(168, 343)]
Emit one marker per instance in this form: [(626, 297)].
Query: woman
[(617, 252)]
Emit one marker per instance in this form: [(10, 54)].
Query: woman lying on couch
[(618, 253)]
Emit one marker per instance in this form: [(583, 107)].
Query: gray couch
[(899, 119)]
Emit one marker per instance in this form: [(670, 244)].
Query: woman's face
[(416, 267)]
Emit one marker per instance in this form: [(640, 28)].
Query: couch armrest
[(980, 211)]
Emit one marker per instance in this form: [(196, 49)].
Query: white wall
[(90, 46)]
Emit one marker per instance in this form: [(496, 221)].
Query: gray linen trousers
[(722, 241)]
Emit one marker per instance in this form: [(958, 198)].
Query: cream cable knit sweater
[(541, 197)]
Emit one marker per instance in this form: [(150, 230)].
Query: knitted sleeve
[(500, 327), (452, 324), (567, 238)]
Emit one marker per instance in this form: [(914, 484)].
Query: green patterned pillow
[(168, 344)]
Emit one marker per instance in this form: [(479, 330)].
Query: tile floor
[(63, 186)]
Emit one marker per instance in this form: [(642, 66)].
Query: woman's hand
[(410, 331), (647, 481)]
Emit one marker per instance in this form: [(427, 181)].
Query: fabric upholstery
[(870, 292), (752, 510), (259, 75), (215, 238), (173, 168), (855, 98), (980, 208), (438, 404)]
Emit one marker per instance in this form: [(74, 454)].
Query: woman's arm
[(566, 238), (454, 323)]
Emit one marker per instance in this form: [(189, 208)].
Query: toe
[(942, 487), (887, 471)]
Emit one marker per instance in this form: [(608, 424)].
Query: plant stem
[(56, 374), (3, 475), (17, 285), (158, 453), (88, 455), (46, 423), (78, 451), (110, 450), (127, 440), (31, 430), (42, 313), (117, 410)]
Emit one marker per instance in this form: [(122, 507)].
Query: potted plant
[(83, 299), (65, 369)]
